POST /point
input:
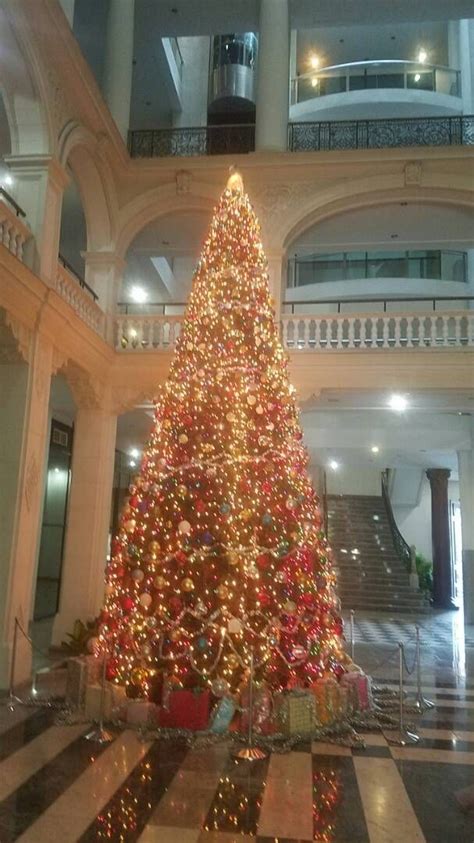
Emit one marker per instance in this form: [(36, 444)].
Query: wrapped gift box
[(262, 721), (359, 691), (331, 701), (222, 715), (115, 702), (186, 710), (142, 713), (295, 712), (81, 672)]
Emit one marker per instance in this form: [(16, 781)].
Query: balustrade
[(335, 332), (13, 231), (81, 301)]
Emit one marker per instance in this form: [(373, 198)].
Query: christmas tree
[(220, 550)]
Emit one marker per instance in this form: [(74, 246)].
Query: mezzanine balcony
[(381, 88)]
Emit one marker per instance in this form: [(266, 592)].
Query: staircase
[(371, 575)]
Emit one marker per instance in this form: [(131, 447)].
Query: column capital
[(438, 476), (36, 164), (104, 260)]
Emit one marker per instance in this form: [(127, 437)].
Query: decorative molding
[(59, 361), (87, 391), (22, 336), (183, 182), (413, 173)]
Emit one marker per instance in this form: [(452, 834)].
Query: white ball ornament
[(234, 626), (145, 600), (184, 527)]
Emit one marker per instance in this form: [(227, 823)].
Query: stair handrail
[(401, 546)]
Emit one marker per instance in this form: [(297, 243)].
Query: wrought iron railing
[(401, 546), (18, 211), (380, 134), (233, 139), (167, 308), (381, 73), (62, 260)]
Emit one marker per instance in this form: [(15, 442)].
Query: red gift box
[(186, 710)]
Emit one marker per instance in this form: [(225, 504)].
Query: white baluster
[(340, 333), (351, 332), (304, 343), (457, 330), (397, 332), (409, 332), (470, 329), (445, 324), (317, 333), (385, 332)]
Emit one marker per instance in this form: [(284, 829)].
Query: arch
[(78, 150), (25, 94), (157, 203), (352, 196)]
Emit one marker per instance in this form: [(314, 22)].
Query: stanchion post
[(352, 635), (421, 703), (12, 698), (100, 734), (401, 736), (250, 752)]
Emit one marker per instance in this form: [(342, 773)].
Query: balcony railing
[(333, 332), (13, 231), (381, 134), (233, 139), (446, 265), (78, 296), (370, 75)]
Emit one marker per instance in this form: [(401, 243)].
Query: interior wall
[(414, 523), (354, 480), (195, 53)]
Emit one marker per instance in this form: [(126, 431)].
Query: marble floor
[(55, 786)]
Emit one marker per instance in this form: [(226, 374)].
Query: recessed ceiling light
[(422, 56), (398, 403), (138, 294), (135, 453), (314, 82), (333, 465), (314, 61), (417, 77), (375, 449), (132, 463)]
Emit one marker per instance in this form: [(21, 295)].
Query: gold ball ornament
[(109, 589), (222, 592), (232, 661), (187, 584), (175, 634), (233, 558), (130, 525), (290, 607), (159, 583), (251, 400), (182, 491), (182, 439)]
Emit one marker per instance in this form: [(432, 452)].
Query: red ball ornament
[(267, 487), (111, 669), (263, 561), (264, 599), (127, 603)]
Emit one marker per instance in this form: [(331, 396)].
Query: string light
[(220, 546)]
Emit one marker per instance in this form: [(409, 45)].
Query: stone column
[(118, 66), (442, 572), (466, 497), (87, 531), (40, 181), (68, 9), (103, 272), (24, 429), (271, 132)]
